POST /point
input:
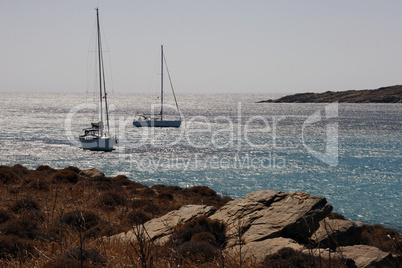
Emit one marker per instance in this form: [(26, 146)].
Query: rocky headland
[(82, 218), (391, 94)]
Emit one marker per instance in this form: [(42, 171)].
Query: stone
[(269, 214), (336, 232), (160, 229), (330, 256), (256, 251), (91, 173), (367, 256)]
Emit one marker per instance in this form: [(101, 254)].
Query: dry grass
[(58, 218)]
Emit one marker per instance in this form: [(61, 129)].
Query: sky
[(211, 46)]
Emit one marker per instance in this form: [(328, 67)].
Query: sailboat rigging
[(158, 120), (97, 137)]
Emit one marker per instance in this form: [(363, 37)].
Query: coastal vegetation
[(69, 218)]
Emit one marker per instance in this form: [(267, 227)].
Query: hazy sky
[(211, 46)]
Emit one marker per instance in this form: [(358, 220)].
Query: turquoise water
[(226, 142)]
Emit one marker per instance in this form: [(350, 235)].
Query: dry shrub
[(19, 169), (60, 262), (225, 199), (7, 175), (28, 208), (100, 179), (5, 216), (165, 196), (204, 236), (106, 184), (198, 251), (35, 215), (73, 169), (14, 190), (51, 233), (40, 184), (52, 229), (148, 192), (334, 215), (23, 205), (137, 217), (122, 180), (202, 224), (160, 188), (290, 258), (203, 191), (167, 189), (79, 219), (103, 186), (153, 209), (92, 255), (134, 186), (23, 228), (65, 176), (204, 195), (73, 257), (13, 246), (45, 168), (94, 232), (34, 175), (112, 199), (383, 238), (139, 203), (174, 189), (117, 186), (110, 230)]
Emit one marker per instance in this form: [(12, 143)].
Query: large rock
[(336, 232), (91, 173), (264, 222), (330, 257), (367, 256), (256, 251), (269, 214), (160, 229)]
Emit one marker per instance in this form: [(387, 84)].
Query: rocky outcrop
[(367, 256), (264, 223), (268, 214), (160, 229), (259, 216), (326, 255), (392, 94), (91, 173), (336, 232), (257, 251)]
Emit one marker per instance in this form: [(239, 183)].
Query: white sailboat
[(158, 120), (97, 137)]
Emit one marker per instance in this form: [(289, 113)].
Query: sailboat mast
[(100, 71), (105, 94), (161, 82)]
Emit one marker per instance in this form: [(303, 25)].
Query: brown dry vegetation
[(60, 218), (57, 218)]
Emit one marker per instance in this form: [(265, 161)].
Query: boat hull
[(157, 123), (96, 144)]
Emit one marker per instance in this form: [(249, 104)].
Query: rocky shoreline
[(264, 223), (391, 94), (82, 218)]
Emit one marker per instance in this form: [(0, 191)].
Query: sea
[(348, 153)]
